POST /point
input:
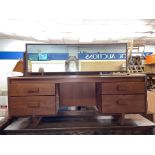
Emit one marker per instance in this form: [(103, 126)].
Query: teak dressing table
[(41, 95)]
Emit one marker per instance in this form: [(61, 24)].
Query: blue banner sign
[(11, 55), (64, 56), (47, 56), (58, 56), (102, 56), (147, 53)]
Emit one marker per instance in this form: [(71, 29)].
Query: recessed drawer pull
[(33, 104), (122, 88), (33, 90), (121, 102)]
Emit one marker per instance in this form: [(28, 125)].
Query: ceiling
[(78, 21), (142, 31)]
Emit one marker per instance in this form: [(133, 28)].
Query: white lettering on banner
[(99, 56), (104, 56), (87, 57), (121, 56), (112, 56), (96, 56)]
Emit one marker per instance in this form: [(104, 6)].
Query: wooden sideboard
[(45, 95)]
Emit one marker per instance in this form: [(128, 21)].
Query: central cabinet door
[(77, 94)]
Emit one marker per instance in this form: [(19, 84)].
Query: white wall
[(150, 48), (10, 45), (7, 65)]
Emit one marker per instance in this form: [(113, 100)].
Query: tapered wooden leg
[(35, 121), (119, 118), (122, 119), (150, 117)]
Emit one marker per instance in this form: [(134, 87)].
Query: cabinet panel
[(31, 89), (123, 88), (36, 105), (123, 103), (77, 94)]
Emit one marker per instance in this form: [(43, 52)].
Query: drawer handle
[(122, 88), (33, 90), (33, 104), (121, 102)]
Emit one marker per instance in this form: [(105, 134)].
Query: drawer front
[(31, 89), (123, 88), (123, 103), (36, 105)]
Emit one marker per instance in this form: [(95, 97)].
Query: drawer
[(123, 103), (31, 89), (36, 105), (123, 88)]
